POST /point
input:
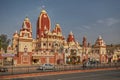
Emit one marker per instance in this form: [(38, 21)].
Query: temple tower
[(43, 24), (84, 44), (43, 29), (100, 48), (72, 54), (22, 41)]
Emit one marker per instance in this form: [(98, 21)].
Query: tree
[(4, 42)]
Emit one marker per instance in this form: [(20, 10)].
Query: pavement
[(8, 77)]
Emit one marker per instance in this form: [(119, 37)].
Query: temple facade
[(72, 50), (50, 46)]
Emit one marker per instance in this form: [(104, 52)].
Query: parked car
[(47, 66), (3, 69)]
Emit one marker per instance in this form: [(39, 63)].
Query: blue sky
[(89, 18)]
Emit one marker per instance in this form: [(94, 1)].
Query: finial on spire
[(71, 33), (99, 37), (43, 9), (26, 18), (57, 25), (16, 31), (84, 38)]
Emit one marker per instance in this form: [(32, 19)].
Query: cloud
[(86, 26), (108, 21), (111, 21)]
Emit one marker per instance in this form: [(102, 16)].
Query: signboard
[(7, 55)]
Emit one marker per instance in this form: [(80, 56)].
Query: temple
[(50, 46)]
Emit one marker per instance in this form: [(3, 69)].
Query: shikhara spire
[(71, 37), (43, 23), (27, 24)]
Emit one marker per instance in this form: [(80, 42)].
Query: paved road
[(98, 75)]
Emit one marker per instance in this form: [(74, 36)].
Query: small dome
[(71, 37), (26, 19), (16, 32), (43, 11), (58, 28), (57, 25)]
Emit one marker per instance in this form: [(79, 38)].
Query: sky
[(89, 18)]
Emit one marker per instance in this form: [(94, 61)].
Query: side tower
[(84, 44), (15, 42), (100, 48), (22, 42), (84, 49), (73, 54)]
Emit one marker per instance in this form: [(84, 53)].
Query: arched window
[(44, 44)]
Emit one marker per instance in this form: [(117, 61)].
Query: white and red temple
[(50, 46)]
